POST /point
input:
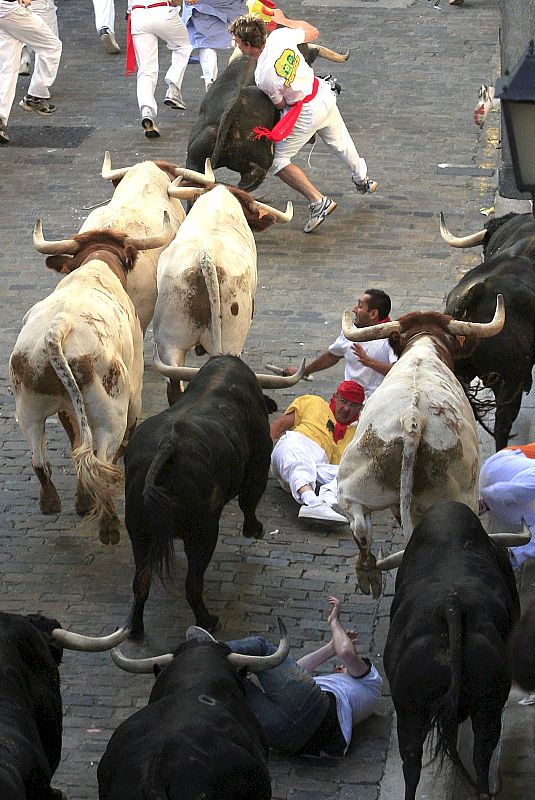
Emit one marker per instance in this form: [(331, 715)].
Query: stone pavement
[(408, 93)]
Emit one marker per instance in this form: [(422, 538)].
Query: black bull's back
[(196, 738), (446, 652), (181, 468)]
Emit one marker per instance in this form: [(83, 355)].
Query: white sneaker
[(328, 497), (108, 41), (195, 632), (318, 211), (322, 513), (173, 98), (25, 66), (367, 186)]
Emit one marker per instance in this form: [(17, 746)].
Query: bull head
[(456, 327), (238, 660), (265, 381), (175, 189), (506, 539)]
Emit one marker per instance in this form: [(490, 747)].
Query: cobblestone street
[(408, 91)]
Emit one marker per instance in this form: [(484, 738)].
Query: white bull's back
[(448, 456), (216, 231), (137, 208)]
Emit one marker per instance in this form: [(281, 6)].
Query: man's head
[(250, 34), (372, 307), (348, 400)]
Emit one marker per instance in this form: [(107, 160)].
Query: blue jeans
[(291, 705)]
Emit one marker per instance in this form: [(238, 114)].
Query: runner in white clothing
[(365, 363), (308, 106), (19, 26)]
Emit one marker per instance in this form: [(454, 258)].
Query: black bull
[(196, 738), (503, 363), (30, 707), (446, 653), (184, 465), (230, 110)]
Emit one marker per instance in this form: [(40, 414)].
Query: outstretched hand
[(334, 612)]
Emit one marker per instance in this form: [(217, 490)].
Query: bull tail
[(445, 712), (209, 272), (161, 509), (412, 428), (97, 477)]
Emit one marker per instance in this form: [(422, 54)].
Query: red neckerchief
[(339, 430), (285, 125)]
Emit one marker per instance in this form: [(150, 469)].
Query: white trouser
[(18, 27), (47, 11), (104, 14), (147, 25), (296, 460), (208, 62), (507, 485), (321, 116)]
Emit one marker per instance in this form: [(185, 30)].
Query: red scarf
[(131, 65), (285, 125)]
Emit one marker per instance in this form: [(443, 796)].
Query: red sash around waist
[(285, 125)]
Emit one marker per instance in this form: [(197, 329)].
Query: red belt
[(152, 5)]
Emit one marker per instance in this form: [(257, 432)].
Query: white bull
[(80, 355), (416, 440), (137, 208), (207, 278)]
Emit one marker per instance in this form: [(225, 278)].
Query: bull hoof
[(255, 532), (209, 623), (51, 504), (57, 794), (363, 580), (376, 582), (110, 533), (82, 501)]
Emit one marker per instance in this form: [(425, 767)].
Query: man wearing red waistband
[(308, 106)]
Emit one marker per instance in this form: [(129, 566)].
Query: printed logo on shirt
[(286, 65)]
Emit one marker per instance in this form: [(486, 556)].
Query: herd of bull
[(80, 355)]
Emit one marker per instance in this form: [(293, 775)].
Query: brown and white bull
[(80, 355), (136, 208), (416, 441), (207, 276)]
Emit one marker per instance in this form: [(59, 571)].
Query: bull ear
[(130, 255), (45, 626), (61, 264)]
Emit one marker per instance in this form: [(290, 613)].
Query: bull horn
[(380, 331), (65, 246), (280, 216), (190, 175), (482, 329), (90, 644), (332, 55), (139, 665), (390, 562), (185, 192), (279, 381), (260, 663), (152, 242), (513, 539), (175, 373), (110, 174), (460, 241)]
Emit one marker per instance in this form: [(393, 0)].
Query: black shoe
[(151, 129), (38, 104), (4, 138)]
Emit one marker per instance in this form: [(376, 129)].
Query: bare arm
[(317, 657), (379, 366), (323, 361), (343, 645), (281, 425), (311, 32)]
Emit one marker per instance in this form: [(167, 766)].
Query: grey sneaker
[(149, 126), (366, 186), (4, 138), (108, 41), (318, 211), (173, 98), (38, 104)]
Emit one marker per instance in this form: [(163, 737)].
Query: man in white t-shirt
[(308, 106), (368, 362), (306, 715)]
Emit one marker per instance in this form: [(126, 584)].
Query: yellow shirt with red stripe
[(315, 420)]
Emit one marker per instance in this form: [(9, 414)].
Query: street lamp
[(517, 96)]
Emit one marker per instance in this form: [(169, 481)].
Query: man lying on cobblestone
[(308, 106), (365, 362), (309, 441), (305, 715)]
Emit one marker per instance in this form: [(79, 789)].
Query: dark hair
[(250, 29), (380, 301)]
